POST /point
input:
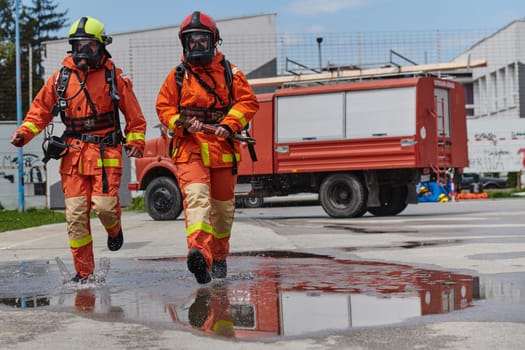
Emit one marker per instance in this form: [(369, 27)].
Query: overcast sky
[(305, 16)]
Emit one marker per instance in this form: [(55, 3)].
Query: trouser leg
[(107, 205), (77, 193), (222, 210), (194, 181)]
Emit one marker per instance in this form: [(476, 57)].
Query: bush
[(512, 179)]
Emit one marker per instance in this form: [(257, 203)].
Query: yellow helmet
[(88, 28), (443, 198), (423, 189), (84, 31)]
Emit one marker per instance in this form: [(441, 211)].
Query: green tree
[(38, 22)]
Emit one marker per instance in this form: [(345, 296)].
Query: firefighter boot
[(219, 269), (197, 265), (115, 243), (82, 280)]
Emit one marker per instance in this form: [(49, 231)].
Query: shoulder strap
[(62, 83), (63, 80), (111, 76), (228, 76), (228, 73)]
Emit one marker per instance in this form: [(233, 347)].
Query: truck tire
[(163, 199), (393, 201), (343, 196), (253, 201)]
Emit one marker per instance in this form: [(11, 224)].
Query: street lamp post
[(21, 195), (319, 41)]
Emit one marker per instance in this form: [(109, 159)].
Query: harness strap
[(105, 186), (251, 149), (90, 123), (110, 139), (234, 158)]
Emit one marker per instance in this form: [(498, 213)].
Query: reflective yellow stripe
[(109, 162), (239, 116), (228, 158), (78, 243), (171, 124), (111, 226), (132, 136), (202, 226), (31, 126), (205, 154), (222, 324)]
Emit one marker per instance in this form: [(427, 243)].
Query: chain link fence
[(147, 60)]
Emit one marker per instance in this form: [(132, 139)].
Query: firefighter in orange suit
[(211, 312), (87, 93), (206, 162)]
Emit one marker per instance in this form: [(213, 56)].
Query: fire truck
[(361, 141)]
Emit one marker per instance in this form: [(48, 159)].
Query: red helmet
[(199, 36)]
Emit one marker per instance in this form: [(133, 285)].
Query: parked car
[(489, 182)]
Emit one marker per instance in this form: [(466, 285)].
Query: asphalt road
[(484, 239)]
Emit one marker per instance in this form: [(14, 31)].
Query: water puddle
[(266, 294)]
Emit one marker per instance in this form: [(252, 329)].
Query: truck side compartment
[(379, 135), (361, 146)]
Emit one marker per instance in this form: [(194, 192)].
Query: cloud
[(311, 7)]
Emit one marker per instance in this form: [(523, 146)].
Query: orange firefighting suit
[(204, 161), (211, 312), (81, 168)]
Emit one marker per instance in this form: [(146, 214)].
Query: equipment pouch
[(54, 147)]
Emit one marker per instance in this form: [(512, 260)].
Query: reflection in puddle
[(265, 295)]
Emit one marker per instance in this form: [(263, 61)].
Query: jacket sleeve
[(167, 104), (245, 102), (39, 114), (135, 129)]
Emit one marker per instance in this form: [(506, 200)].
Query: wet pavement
[(284, 294), (378, 283)]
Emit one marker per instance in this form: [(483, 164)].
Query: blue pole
[(21, 204)]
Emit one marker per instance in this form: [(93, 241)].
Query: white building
[(497, 90), (496, 102)]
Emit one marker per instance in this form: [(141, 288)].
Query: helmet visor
[(198, 41), (87, 46)]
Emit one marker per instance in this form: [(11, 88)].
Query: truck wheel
[(393, 201), (163, 199), (343, 196), (253, 201)]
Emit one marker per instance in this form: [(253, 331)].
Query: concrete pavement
[(45, 329)]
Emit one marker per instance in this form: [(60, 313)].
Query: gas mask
[(198, 48), (87, 53)]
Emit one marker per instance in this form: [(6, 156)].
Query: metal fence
[(297, 53)]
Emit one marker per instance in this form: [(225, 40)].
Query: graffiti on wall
[(496, 146), (33, 169)]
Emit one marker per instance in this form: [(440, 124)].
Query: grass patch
[(503, 193), (137, 204), (14, 220)]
